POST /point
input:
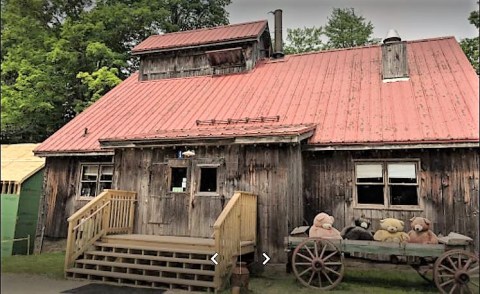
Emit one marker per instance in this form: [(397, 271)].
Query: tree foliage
[(303, 40), (59, 56), (471, 46), (343, 29)]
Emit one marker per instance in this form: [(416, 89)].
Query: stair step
[(155, 248), (147, 267), (126, 276), (149, 257)]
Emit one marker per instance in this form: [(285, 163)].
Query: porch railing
[(237, 223), (110, 212)]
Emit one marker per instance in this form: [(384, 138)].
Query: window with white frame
[(94, 178), (386, 183)]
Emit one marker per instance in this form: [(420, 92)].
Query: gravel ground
[(35, 284), (25, 283)]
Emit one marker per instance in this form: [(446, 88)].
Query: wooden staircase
[(167, 262), (149, 261)]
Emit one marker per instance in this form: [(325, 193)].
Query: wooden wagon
[(319, 263)]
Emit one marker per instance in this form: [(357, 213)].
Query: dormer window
[(226, 58)]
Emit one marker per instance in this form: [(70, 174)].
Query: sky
[(413, 19)]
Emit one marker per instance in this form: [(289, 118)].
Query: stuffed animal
[(421, 232), (391, 230), (322, 227), (359, 231)]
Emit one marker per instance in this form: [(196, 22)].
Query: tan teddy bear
[(421, 232), (322, 227), (391, 230)]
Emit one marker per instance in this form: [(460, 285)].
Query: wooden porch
[(101, 246)]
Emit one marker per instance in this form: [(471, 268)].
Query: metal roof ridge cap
[(430, 39)]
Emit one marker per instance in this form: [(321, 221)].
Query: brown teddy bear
[(391, 230), (421, 232), (322, 227)]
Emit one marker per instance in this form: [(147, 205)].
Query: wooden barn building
[(388, 130)]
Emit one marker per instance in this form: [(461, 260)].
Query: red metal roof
[(213, 132), (340, 92), (228, 33)]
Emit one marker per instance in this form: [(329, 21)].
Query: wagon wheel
[(317, 263), (456, 271)]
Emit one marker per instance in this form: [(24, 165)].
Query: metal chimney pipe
[(278, 47)]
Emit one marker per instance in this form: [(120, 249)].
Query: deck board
[(180, 242)]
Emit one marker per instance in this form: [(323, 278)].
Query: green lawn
[(356, 280), (273, 280), (48, 264)]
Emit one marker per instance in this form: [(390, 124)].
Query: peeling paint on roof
[(206, 36), (340, 92)]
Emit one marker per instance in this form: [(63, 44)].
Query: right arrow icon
[(267, 258)]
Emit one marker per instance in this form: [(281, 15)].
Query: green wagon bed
[(319, 263)]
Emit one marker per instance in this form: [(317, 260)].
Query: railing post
[(70, 245), (106, 216), (131, 215)]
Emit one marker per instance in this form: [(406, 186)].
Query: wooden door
[(167, 211)]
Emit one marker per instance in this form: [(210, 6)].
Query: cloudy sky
[(413, 19)]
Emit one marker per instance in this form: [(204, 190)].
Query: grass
[(46, 264), (356, 280), (272, 281)]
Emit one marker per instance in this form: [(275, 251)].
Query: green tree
[(345, 29), (471, 46), (58, 56), (303, 40)]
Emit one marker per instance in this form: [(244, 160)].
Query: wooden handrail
[(110, 212), (236, 223)]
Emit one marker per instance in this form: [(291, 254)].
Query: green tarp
[(9, 204)]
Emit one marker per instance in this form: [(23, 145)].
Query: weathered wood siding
[(273, 173), (394, 60), (59, 199), (194, 62), (452, 207)]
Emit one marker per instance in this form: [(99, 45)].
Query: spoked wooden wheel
[(317, 263), (456, 271)]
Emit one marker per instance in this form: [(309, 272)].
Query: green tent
[(21, 188)]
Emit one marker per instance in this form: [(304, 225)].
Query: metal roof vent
[(392, 36)]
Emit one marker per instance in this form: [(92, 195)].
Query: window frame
[(199, 179), (98, 180), (386, 185), (177, 163)]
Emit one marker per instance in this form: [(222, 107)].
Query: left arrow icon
[(213, 258)]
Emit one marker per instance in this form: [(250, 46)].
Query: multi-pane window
[(386, 183), (94, 178)]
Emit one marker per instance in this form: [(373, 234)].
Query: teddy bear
[(391, 230), (421, 232), (359, 231), (322, 227)]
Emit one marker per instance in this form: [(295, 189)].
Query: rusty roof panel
[(228, 33), (341, 92)]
